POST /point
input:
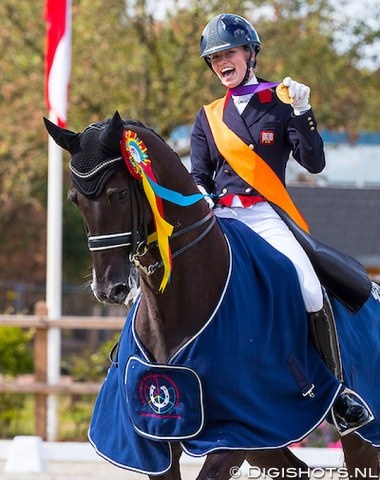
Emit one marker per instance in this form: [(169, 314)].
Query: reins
[(150, 269)]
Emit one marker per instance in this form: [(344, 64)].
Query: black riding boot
[(348, 411)]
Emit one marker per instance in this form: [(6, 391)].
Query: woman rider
[(273, 130)]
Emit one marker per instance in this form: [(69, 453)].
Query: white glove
[(208, 199), (300, 94)]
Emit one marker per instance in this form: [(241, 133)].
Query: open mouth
[(227, 72)]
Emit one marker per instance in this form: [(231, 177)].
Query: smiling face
[(231, 66)]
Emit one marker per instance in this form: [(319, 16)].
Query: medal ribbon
[(253, 88)]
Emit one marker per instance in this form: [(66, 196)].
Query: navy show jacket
[(266, 125)]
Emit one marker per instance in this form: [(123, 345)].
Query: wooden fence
[(39, 386)]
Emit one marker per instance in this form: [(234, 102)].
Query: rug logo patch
[(267, 137), (160, 393)]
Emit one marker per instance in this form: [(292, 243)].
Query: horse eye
[(114, 193), (121, 195)]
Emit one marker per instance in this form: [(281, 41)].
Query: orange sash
[(248, 165)]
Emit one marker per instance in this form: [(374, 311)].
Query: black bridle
[(135, 258), (137, 241), (130, 239)]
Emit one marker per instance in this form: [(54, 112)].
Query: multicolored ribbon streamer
[(136, 158), (176, 197)]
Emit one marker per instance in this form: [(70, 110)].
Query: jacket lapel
[(256, 108), (235, 122)]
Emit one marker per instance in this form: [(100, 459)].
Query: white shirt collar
[(241, 101)]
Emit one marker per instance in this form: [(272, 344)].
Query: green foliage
[(15, 351), (89, 366), (75, 412), (16, 417), (22, 141), (15, 358), (74, 417), (74, 246)]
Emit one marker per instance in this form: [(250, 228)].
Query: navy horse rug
[(249, 379)]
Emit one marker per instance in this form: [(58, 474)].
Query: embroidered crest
[(134, 153), (164, 401), (267, 137), (160, 393)]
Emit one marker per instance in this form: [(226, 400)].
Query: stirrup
[(344, 429)]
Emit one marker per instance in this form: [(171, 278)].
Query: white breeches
[(262, 219)]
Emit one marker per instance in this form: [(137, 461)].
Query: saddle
[(341, 275)]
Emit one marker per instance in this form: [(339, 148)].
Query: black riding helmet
[(226, 31)]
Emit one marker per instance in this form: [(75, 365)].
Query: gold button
[(251, 146), (224, 190), (312, 128), (309, 118)]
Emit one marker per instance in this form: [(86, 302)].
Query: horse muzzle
[(116, 292)]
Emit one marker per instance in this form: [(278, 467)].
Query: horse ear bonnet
[(92, 166), (95, 153), (99, 156)]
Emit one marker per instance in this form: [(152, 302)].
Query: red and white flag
[(58, 57)]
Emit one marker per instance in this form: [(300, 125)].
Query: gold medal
[(283, 93)]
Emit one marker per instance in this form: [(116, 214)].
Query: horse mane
[(127, 123)]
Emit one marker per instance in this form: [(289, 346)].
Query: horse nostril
[(118, 293)]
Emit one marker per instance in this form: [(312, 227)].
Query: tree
[(22, 142)]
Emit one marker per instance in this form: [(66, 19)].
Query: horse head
[(108, 188)]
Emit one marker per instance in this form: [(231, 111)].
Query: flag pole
[(54, 277), (57, 63)]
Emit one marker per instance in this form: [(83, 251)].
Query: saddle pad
[(165, 402)]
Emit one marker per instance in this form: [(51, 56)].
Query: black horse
[(164, 394)]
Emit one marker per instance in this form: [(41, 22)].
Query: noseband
[(131, 239), (106, 242), (117, 240)]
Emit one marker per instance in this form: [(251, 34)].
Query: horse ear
[(66, 139), (111, 137)]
